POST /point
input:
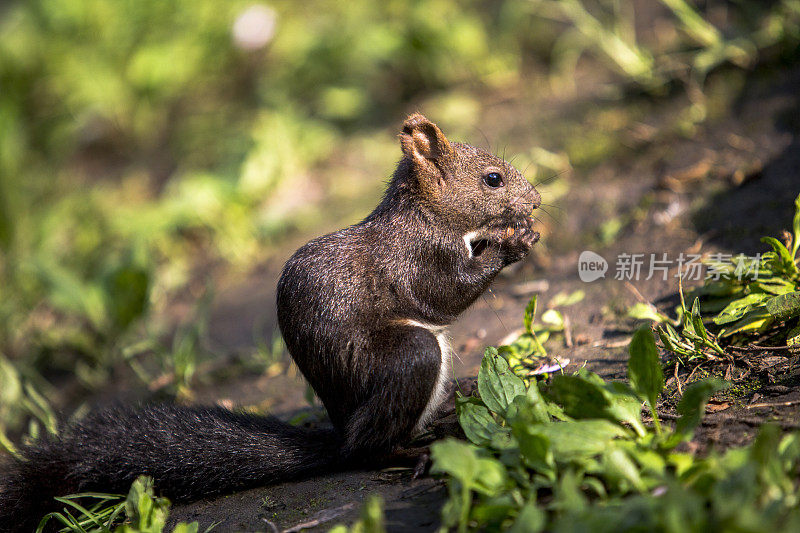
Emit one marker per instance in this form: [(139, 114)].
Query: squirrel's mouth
[(478, 246)]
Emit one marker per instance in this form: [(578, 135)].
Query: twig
[(677, 379), (776, 404), (771, 347), (637, 294), (756, 347), (567, 331), (611, 344), (692, 372), (323, 516), (530, 287)]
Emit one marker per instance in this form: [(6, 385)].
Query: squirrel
[(363, 312)]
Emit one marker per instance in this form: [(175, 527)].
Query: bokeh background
[(151, 151)]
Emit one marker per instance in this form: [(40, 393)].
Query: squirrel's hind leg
[(403, 377)]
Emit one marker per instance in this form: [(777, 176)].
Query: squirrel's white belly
[(439, 391)]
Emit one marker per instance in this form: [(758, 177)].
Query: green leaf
[(126, 294), (756, 320), (553, 320), (530, 315), (693, 403), (793, 337), (697, 320), (644, 366), (535, 449), (456, 458), (146, 513), (579, 439), (579, 397), (784, 260), (765, 453), (491, 476), (587, 396), (461, 461), (736, 309), (183, 527), (645, 311), (785, 306), (563, 299), (531, 406), (477, 422), (497, 384), (372, 520), (619, 464), (625, 406), (10, 383), (531, 519)]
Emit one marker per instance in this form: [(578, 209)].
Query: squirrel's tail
[(189, 452)]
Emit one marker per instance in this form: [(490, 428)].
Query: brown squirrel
[(363, 311)]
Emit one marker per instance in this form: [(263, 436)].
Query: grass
[(753, 301), (138, 512)]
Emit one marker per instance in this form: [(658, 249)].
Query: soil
[(721, 189)]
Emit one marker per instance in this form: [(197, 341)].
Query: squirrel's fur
[(363, 312)]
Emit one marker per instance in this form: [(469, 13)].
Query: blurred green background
[(148, 145)]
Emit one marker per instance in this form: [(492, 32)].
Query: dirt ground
[(733, 182)]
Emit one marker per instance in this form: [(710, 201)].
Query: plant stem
[(656, 421)]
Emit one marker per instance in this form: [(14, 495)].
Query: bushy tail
[(190, 452)]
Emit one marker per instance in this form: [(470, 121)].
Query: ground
[(651, 191)]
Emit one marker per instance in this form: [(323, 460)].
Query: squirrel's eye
[(493, 180)]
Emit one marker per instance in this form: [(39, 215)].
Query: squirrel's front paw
[(516, 239)]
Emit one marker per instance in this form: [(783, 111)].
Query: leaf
[(620, 465), (579, 439), (693, 403), (535, 449), (553, 320), (563, 299), (645, 311), (477, 422), (578, 397), (456, 458), (785, 306), (534, 402), (697, 320), (10, 383), (765, 453), (644, 366), (145, 512), (531, 519), (784, 259), (497, 384), (126, 294), (793, 337), (491, 476), (626, 406), (183, 527), (776, 285), (372, 519), (461, 461), (530, 315), (739, 307), (755, 320)]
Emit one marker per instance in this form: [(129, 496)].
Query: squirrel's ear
[(423, 141)]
